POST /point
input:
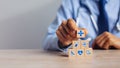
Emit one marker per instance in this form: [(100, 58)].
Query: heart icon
[(80, 52)]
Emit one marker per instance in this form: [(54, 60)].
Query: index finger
[(71, 25)]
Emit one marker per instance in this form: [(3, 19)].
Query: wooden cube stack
[(80, 47)]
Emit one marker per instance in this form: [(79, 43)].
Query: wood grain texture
[(51, 59)]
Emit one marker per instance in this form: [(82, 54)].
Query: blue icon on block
[(81, 33), (84, 44), (76, 44), (80, 52), (88, 52), (72, 53)]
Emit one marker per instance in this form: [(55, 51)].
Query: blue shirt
[(74, 9)]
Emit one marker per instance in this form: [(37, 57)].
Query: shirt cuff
[(62, 46), (64, 49)]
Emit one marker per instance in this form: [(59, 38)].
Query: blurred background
[(23, 23)]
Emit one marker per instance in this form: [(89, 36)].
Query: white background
[(23, 23)]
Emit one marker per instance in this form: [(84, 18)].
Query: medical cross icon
[(81, 33)]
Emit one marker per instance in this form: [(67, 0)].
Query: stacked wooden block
[(80, 47)]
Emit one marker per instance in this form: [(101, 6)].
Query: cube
[(71, 53), (89, 52), (84, 44), (81, 33), (80, 52), (76, 44)]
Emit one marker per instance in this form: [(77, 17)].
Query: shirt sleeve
[(64, 13)]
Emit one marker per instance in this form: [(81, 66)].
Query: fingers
[(97, 41), (84, 30), (106, 45), (71, 28), (64, 23), (71, 25), (68, 29), (59, 35), (64, 33), (62, 39), (67, 32), (102, 41)]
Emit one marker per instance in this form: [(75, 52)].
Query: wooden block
[(84, 44), (71, 53), (81, 33), (76, 44), (80, 52), (89, 52)]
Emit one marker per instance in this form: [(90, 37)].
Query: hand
[(106, 40), (66, 32)]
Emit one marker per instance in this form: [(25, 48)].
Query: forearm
[(51, 42)]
